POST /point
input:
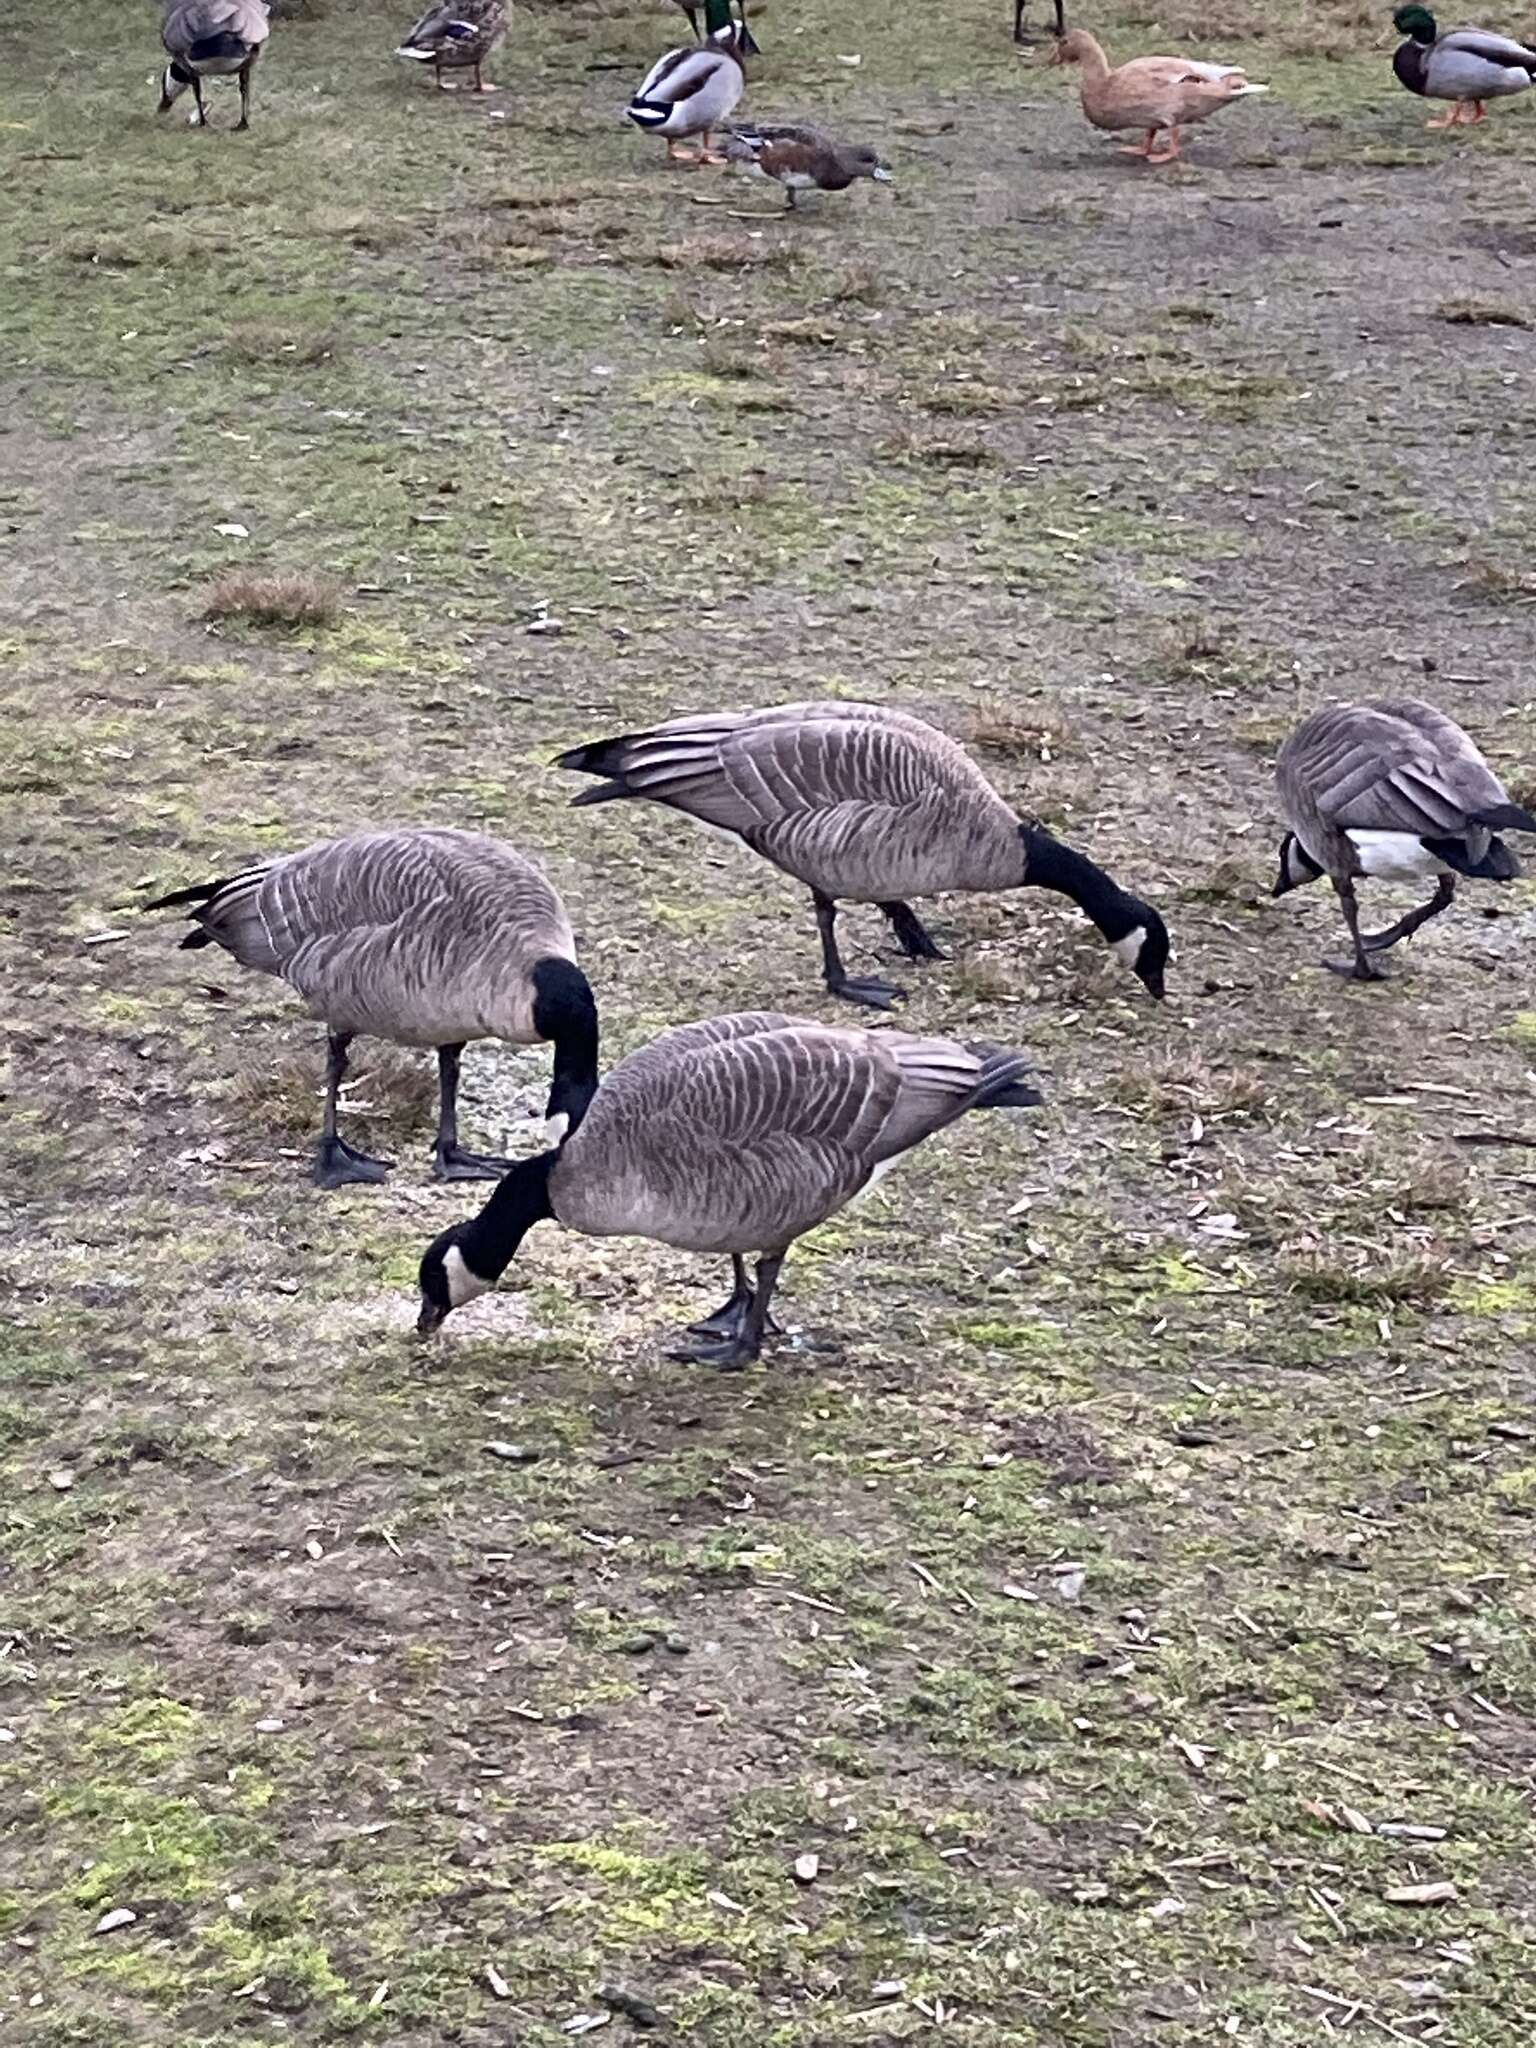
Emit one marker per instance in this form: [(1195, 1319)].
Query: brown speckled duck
[(457, 35)]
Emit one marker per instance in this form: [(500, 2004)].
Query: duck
[(721, 15), (865, 804), (424, 937), (1157, 94), (732, 1135), (211, 39), (691, 91), (1465, 65), (803, 159), (457, 35), (1397, 790)]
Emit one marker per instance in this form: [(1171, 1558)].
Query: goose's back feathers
[(214, 34), (742, 1133), (423, 937), (861, 802)]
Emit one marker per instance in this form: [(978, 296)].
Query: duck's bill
[(1239, 92), (884, 177)]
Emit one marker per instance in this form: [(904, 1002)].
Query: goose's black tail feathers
[(1004, 1080), (1498, 864), (599, 757), (1506, 818)]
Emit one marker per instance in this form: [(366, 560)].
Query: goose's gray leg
[(745, 1342), (245, 91), (911, 934), (728, 1318), (854, 988), (449, 1159), (337, 1162), (1360, 968), (1445, 891)]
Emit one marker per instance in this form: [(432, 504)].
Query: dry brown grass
[(276, 342), (391, 1092), (274, 597), (1491, 579), (1184, 1084), (939, 451), (725, 252), (1364, 1277), (1032, 731), (1482, 313)]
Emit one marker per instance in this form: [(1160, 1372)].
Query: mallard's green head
[(718, 14), (1417, 22)]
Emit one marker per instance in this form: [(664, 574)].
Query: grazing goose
[(1019, 35), (803, 159), (1465, 65), (211, 39), (1393, 789), (457, 35), (1151, 93), (691, 91), (734, 1135), (865, 804), (421, 937)]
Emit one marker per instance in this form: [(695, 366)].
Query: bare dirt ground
[(1124, 1587)]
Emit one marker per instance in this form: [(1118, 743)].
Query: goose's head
[(173, 83), (1297, 867), (447, 1280), (1143, 945)]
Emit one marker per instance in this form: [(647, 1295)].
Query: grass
[(1198, 1397)]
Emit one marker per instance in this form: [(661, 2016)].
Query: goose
[(803, 159), (210, 39), (691, 91), (732, 1135), (457, 35), (424, 937), (863, 804), (1465, 65), (1151, 93), (1393, 789), (1019, 33)]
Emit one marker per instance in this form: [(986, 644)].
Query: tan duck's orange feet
[(1140, 148)]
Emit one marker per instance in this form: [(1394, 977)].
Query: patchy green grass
[(1134, 1540)]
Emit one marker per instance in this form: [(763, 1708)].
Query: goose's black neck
[(1048, 864), (490, 1240), (564, 1013)]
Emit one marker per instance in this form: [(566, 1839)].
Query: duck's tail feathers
[(1004, 1083), (1506, 818), (414, 51)]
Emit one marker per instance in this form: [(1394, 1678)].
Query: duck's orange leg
[(1139, 148), (1166, 156), (677, 155), (708, 154), (1453, 119), (1479, 113)]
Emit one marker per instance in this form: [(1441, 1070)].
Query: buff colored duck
[(1159, 95)]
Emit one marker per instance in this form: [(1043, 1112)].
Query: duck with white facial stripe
[(1394, 791)]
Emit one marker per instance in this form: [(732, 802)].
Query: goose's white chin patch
[(556, 1126), (463, 1285), (1128, 949), (1394, 856)]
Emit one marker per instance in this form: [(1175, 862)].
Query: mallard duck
[(803, 159), (457, 35), (1465, 65), (1397, 790), (733, 1135), (211, 39), (691, 91), (716, 16), (1151, 93)]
